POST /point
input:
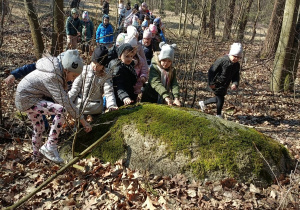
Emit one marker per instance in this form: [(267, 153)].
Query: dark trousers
[(219, 100)]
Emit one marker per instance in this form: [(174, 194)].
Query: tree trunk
[(284, 61), (58, 27), (185, 17), (212, 17), (255, 21), (228, 20), (204, 18), (273, 34), (35, 29), (176, 8), (161, 7), (180, 19), (243, 21)]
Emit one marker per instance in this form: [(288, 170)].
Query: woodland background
[(267, 99)]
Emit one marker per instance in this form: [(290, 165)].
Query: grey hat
[(167, 51), (71, 61), (124, 47)]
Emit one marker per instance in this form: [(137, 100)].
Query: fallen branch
[(74, 160)]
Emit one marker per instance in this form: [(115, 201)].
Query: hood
[(49, 64)]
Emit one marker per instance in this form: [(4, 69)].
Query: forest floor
[(110, 185)]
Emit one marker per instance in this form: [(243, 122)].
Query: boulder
[(167, 140)]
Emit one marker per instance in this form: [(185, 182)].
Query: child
[(147, 45), (156, 39), (49, 81), (73, 28), (124, 76), (128, 9), (86, 32), (104, 34), (105, 8), (162, 86), (225, 70), (92, 83)]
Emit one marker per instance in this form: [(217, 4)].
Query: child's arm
[(110, 96), (76, 88), (20, 72), (120, 83)]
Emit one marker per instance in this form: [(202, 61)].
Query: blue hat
[(145, 23)]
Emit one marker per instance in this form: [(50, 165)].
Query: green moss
[(217, 147)]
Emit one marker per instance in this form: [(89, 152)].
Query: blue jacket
[(104, 34), (23, 71)]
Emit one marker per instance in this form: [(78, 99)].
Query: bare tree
[(212, 17), (204, 14), (180, 20), (284, 61), (273, 34), (243, 21), (58, 27), (185, 16), (4, 8), (255, 21), (35, 28), (228, 20)]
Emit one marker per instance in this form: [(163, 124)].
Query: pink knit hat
[(147, 33), (153, 28)]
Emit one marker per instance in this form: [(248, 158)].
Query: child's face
[(166, 63), (234, 58), (70, 76), (147, 41), (97, 67), (127, 56), (105, 21)]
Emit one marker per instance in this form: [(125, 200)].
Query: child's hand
[(127, 101), (233, 87), (143, 79), (176, 102), (112, 108), (169, 101), (10, 79)]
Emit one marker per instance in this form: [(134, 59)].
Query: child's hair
[(121, 1)]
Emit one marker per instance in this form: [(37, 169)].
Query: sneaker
[(219, 116), (51, 153), (202, 105)]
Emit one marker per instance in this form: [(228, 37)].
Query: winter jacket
[(104, 33), (87, 30), (154, 90), (45, 82), (221, 73), (148, 51), (88, 89), (141, 69), (124, 79), (23, 71), (73, 26)]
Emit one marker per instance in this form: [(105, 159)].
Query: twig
[(49, 180), (268, 165)]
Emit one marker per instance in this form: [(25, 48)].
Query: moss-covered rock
[(167, 140)]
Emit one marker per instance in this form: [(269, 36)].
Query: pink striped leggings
[(35, 114)]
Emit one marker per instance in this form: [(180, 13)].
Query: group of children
[(130, 71)]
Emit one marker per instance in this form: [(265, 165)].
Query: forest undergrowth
[(110, 185)]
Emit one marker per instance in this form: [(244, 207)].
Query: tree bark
[(284, 61), (204, 18), (58, 27), (212, 17), (228, 20), (185, 16), (180, 19), (35, 29), (273, 34), (243, 21)]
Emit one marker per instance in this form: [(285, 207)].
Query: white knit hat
[(131, 40), (236, 49), (72, 61), (167, 51), (120, 39), (132, 31), (85, 15)]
